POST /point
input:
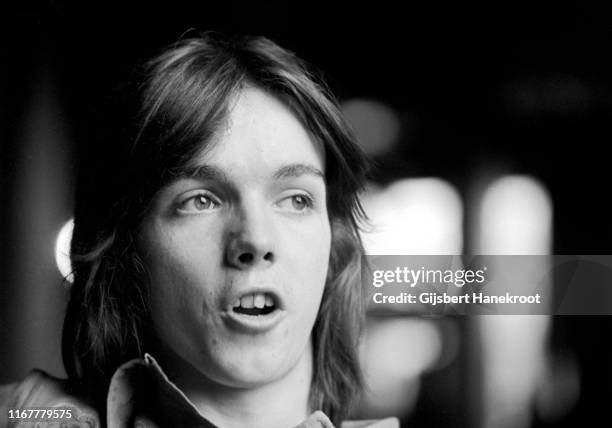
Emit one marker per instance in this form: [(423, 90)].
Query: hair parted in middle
[(183, 96)]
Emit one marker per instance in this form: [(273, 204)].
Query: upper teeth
[(254, 300)]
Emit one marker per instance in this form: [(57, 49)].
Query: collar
[(140, 394)]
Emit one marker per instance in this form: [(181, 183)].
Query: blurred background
[(480, 145)]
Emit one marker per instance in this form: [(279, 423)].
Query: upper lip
[(278, 301)]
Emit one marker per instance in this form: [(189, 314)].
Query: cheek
[(180, 273), (310, 263), (170, 289)]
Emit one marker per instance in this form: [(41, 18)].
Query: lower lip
[(253, 324)]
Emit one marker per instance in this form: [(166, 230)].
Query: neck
[(281, 403)]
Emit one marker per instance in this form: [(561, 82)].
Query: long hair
[(181, 99)]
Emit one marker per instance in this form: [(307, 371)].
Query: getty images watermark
[(488, 284)]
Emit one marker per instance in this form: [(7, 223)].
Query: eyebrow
[(205, 172), (296, 170), (210, 172)]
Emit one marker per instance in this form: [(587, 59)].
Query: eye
[(299, 202), (199, 202)]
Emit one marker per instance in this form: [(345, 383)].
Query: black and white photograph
[(302, 216)]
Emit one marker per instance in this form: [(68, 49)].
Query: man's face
[(238, 252)]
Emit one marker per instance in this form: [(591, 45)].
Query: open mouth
[(255, 304)]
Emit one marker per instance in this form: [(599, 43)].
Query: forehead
[(260, 133)]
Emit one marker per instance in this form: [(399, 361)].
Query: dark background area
[(518, 89)]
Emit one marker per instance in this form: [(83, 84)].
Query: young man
[(222, 246)]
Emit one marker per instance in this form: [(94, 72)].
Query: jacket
[(140, 395)]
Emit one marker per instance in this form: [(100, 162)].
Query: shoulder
[(378, 423), (320, 420), (40, 390)]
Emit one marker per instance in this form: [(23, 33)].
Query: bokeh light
[(376, 125), (414, 216), (514, 217), (62, 250)]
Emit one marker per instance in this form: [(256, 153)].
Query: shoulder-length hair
[(181, 99)]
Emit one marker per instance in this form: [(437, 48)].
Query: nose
[(250, 240)]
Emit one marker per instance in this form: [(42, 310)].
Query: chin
[(254, 368), (252, 377)]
